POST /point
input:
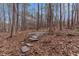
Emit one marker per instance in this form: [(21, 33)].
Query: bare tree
[(41, 16), (72, 16), (13, 20), (68, 23), (38, 17), (64, 11), (4, 27), (17, 21), (60, 16), (50, 18), (56, 13), (77, 13)]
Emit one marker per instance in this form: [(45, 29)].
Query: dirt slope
[(54, 45)]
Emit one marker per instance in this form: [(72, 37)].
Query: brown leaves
[(55, 45), (47, 45)]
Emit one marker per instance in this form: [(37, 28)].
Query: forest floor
[(61, 43)]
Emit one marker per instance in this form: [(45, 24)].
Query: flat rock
[(28, 44), (33, 39), (37, 33), (34, 36), (25, 48)]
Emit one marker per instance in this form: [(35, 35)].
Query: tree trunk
[(38, 18), (50, 18), (13, 20), (4, 27), (60, 16), (68, 23), (17, 17)]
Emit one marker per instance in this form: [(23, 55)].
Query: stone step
[(33, 39), (29, 44), (34, 36), (25, 49)]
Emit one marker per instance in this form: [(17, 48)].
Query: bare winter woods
[(20, 17), (59, 21)]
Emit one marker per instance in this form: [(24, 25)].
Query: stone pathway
[(33, 37)]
